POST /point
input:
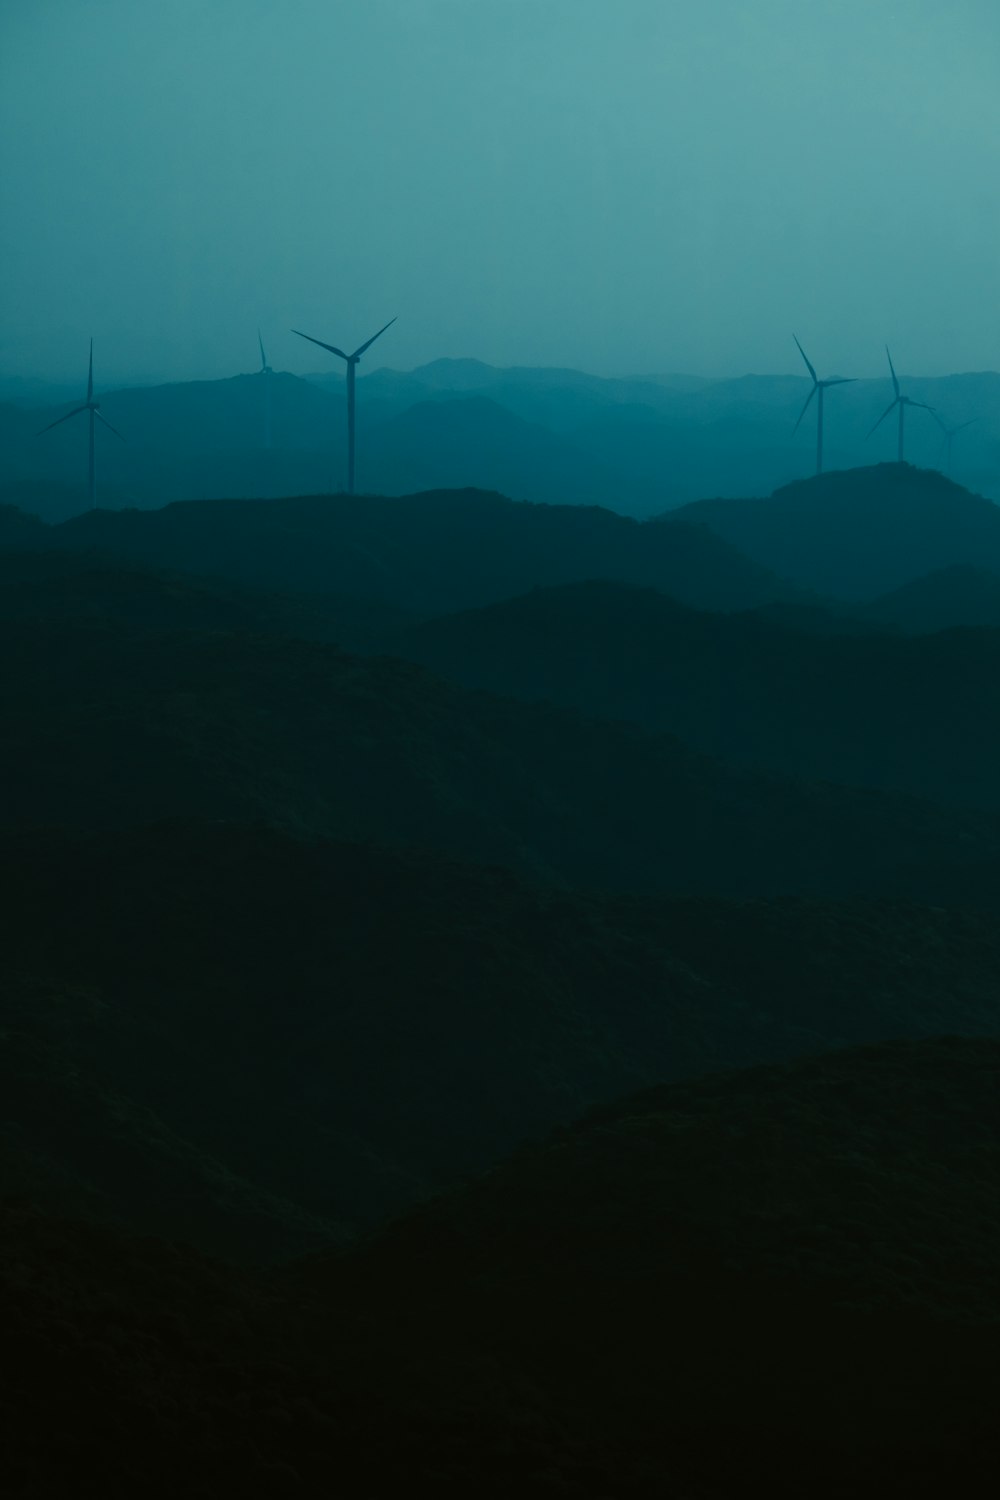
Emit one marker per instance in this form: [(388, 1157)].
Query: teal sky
[(625, 187)]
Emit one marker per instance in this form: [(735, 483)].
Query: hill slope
[(860, 532), (222, 1035), (915, 715), (428, 553), (106, 728)]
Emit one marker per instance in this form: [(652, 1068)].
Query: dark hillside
[(222, 1035), (914, 715), (106, 728), (959, 596), (59, 588), (428, 553), (786, 1272), (858, 533)]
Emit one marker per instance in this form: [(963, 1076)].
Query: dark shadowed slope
[(919, 715), (782, 1278), (860, 532), (786, 1273), (105, 727), (427, 553), (61, 587), (221, 1035), (961, 596)]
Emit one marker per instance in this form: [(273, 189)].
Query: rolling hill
[(860, 533), (427, 553), (835, 701)]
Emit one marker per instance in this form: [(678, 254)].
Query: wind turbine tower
[(900, 401), (821, 387), (93, 410), (950, 434), (265, 374), (353, 360)]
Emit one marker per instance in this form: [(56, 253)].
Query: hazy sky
[(624, 186)]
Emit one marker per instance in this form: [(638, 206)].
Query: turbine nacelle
[(352, 360)]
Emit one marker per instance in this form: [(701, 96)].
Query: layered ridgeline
[(783, 1276), (860, 533), (555, 436), (395, 926), (223, 1035), (801, 691), (107, 726), (426, 553), (893, 546)]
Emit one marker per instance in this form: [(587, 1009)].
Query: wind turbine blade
[(809, 367), (922, 404), (74, 413), (358, 352), (892, 370), (963, 425), (90, 374), (805, 408), (263, 356), (332, 347), (840, 380), (882, 418), (108, 425)]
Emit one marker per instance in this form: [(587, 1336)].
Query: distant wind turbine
[(265, 372), (950, 434), (902, 402), (93, 409), (353, 360), (820, 386)]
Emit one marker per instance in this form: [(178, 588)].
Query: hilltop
[(859, 533), (427, 553)]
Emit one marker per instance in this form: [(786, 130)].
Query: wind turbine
[(265, 373), (93, 409), (902, 402), (820, 386), (353, 360), (950, 433)]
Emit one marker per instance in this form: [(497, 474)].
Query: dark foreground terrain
[(498, 1000)]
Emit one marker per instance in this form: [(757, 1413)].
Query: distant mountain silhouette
[(636, 445), (915, 715), (425, 553), (862, 532)]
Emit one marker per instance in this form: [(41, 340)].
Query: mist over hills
[(555, 436)]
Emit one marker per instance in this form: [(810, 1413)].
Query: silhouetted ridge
[(431, 552), (858, 533)]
